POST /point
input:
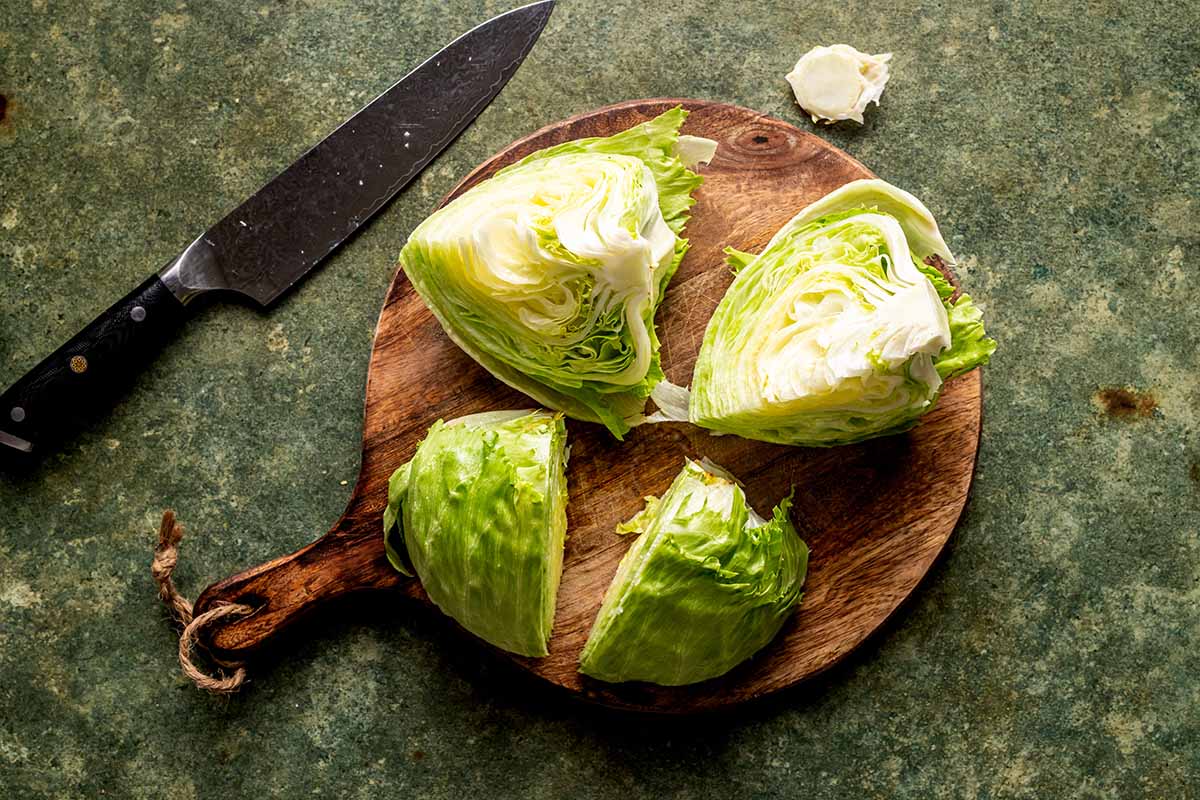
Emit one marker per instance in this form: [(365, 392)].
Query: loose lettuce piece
[(706, 584), (549, 273), (481, 511), (838, 82), (841, 329), (393, 536)]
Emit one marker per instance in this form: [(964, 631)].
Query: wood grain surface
[(875, 515)]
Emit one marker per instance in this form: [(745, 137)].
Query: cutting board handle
[(348, 559)]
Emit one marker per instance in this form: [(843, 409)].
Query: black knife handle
[(82, 377)]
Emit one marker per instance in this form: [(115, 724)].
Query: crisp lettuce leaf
[(969, 346), (736, 259), (393, 536)]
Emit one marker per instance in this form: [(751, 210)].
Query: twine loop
[(166, 558)]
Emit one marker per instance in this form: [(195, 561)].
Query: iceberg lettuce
[(480, 514), (550, 272), (706, 584), (841, 329)]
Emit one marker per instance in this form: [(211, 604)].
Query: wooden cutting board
[(875, 515)]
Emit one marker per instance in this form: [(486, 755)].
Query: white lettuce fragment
[(693, 150), (838, 82)]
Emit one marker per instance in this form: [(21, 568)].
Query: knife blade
[(268, 243)]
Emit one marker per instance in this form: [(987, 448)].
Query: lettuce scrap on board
[(549, 273), (479, 514), (706, 584), (841, 329)]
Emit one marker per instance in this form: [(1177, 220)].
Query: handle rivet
[(79, 365), (137, 313), (17, 414)]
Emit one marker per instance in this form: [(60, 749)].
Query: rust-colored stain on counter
[(8, 108), (1126, 403)]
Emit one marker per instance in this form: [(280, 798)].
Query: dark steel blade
[(270, 241)]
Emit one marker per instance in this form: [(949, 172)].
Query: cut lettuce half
[(706, 585), (550, 272), (841, 329), (480, 515)]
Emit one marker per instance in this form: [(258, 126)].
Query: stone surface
[(1052, 653)]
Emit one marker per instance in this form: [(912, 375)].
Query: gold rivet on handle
[(78, 365)]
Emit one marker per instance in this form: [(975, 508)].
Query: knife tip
[(547, 5)]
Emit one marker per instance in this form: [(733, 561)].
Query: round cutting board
[(875, 515)]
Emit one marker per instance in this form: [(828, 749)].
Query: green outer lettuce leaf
[(736, 259), (482, 511), (587, 360), (831, 335), (393, 536), (969, 347), (706, 585)]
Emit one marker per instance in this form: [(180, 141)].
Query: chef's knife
[(289, 226)]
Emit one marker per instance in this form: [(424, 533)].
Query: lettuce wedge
[(480, 515), (841, 329), (549, 273), (706, 585)]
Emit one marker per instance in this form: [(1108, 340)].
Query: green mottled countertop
[(1055, 649)]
